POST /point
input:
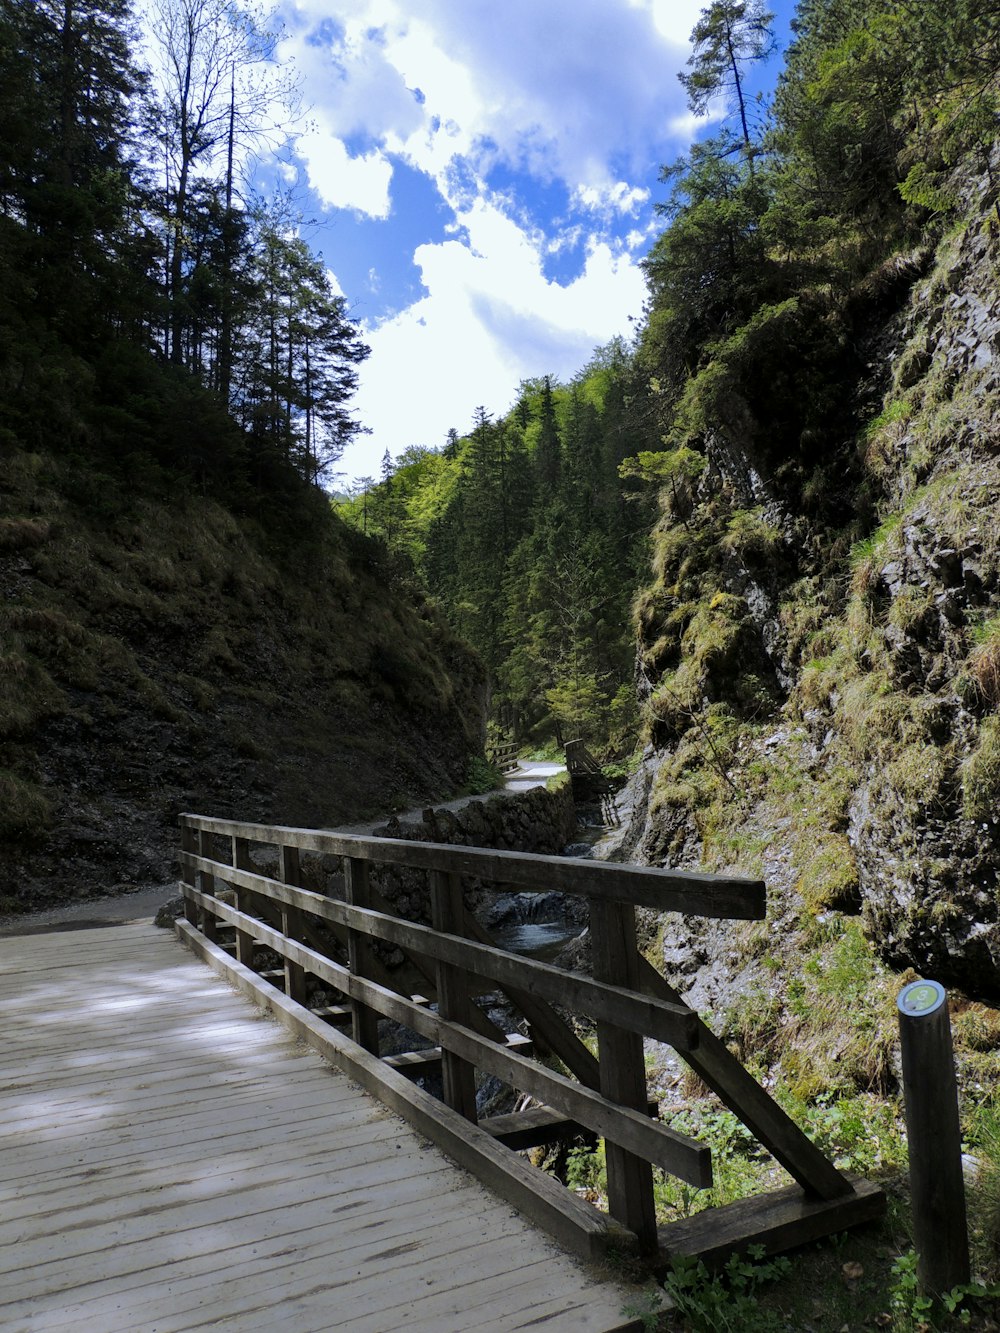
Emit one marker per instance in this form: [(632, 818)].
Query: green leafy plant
[(914, 1312), (726, 1302), (482, 776)]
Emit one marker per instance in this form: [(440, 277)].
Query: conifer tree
[(728, 36)]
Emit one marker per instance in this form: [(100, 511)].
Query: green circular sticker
[(920, 997)]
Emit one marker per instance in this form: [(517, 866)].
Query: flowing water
[(536, 939)]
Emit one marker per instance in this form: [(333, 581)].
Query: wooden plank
[(662, 1146), (140, 1197), (539, 1125), (692, 892), (615, 954), (357, 892), (340, 1015), (330, 1243), (206, 882), (447, 913), (667, 1021), (534, 1128), (290, 870), (565, 1216), (737, 1089), (782, 1220), (416, 1064), (271, 1211), (479, 1019), (88, 1182)]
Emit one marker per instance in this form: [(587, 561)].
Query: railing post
[(244, 940), (291, 924), (623, 1069), (357, 892), (447, 913), (206, 882), (189, 843), (934, 1138)]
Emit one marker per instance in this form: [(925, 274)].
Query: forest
[(794, 228), (143, 284)]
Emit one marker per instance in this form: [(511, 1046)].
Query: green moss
[(830, 879), (981, 774), (753, 538)]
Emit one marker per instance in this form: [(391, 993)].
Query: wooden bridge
[(173, 1164)]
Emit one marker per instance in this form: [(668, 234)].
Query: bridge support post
[(623, 1069), (206, 883), (357, 892), (189, 843), (447, 914), (291, 924), (244, 940)]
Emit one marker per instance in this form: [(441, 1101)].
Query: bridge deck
[(171, 1160)]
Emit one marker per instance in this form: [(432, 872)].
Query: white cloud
[(581, 94), (620, 198), (564, 90), (490, 319), (359, 183), (686, 125)]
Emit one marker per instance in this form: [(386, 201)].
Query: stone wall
[(541, 820)]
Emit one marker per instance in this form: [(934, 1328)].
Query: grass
[(290, 675)]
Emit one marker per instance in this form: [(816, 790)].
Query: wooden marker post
[(934, 1138)]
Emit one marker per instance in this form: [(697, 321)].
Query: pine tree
[(728, 36), (68, 82)]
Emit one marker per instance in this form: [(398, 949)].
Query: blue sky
[(480, 180)]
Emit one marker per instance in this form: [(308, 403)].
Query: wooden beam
[(359, 952), (416, 1064), (570, 1219), (242, 865), (291, 923), (206, 882), (692, 892), (545, 1023), (534, 1128), (781, 1220), (662, 1146), (667, 1021), (737, 1089), (623, 1070), (458, 1076)]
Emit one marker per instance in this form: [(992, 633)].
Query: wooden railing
[(335, 941), (502, 754)]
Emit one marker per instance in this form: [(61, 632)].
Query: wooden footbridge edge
[(574, 1223)]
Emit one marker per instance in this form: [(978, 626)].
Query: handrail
[(729, 897), (626, 998)]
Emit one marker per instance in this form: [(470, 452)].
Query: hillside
[(161, 653)]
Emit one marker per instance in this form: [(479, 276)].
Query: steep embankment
[(821, 689), (160, 653)]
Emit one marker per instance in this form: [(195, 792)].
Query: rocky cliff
[(820, 674), (161, 653)]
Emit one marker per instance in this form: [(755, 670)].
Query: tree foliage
[(729, 35), (521, 531), (142, 301)]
